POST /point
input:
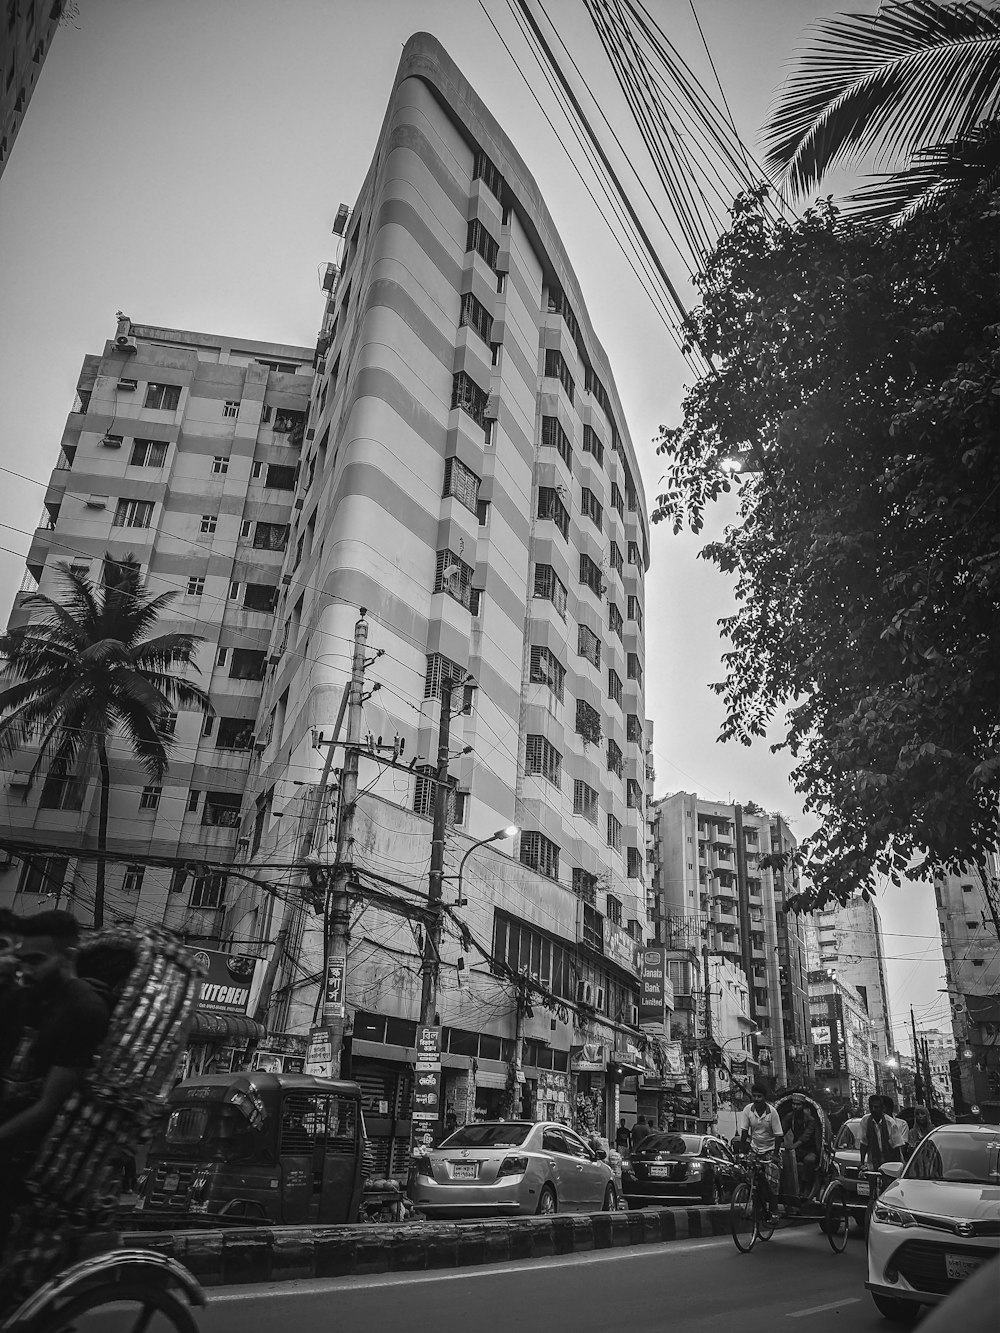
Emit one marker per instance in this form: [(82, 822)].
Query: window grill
[(549, 585), (461, 483), (554, 437), (590, 575), (615, 556), (559, 305), (222, 809), (467, 395), (584, 800), (550, 506), (475, 316), (162, 397), (540, 854), (480, 240), (616, 760), (585, 885), (556, 368), (592, 508), (270, 536), (542, 758), (588, 645), (616, 499), (588, 722), (633, 729), (454, 577), (614, 686), (133, 514), (633, 795), (614, 834), (231, 409), (634, 868), (633, 668), (423, 792), (439, 669), (148, 453), (634, 610), (208, 891), (634, 554), (613, 909), (592, 444), (488, 173), (548, 670), (615, 621)]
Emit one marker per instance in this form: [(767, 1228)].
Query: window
[(592, 508), (584, 801), (453, 577), (633, 669), (483, 513), (132, 879), (615, 621), (550, 506), (588, 722), (208, 891), (633, 796), (501, 283), (559, 305), (193, 797), (423, 793), (168, 722), (148, 453), (613, 911), (288, 421), (614, 686), (467, 395), (207, 724), (62, 792), (616, 499), (149, 798), (634, 554), (634, 610), (480, 240), (556, 368), (280, 477), (270, 536), (591, 576), (615, 556), (588, 645), (543, 759), (540, 854), (634, 857), (133, 514), (195, 585), (475, 316), (208, 523), (231, 409), (554, 437), (235, 733), (222, 809), (476, 601), (440, 669), (592, 444), (616, 760), (163, 397), (260, 597), (461, 483), (549, 585), (633, 729), (220, 465), (247, 664), (585, 885), (221, 657), (546, 669), (485, 171), (614, 834), (495, 350)]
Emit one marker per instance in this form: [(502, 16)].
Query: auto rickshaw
[(255, 1148)]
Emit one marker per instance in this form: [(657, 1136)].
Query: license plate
[(659, 1170), (959, 1266), (172, 1182), (864, 1189), (464, 1171)]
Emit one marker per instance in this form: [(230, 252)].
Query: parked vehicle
[(937, 1222), (256, 1148), (511, 1166), (674, 1167)]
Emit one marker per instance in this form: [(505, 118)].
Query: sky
[(183, 160)]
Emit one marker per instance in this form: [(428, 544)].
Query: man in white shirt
[(760, 1123)]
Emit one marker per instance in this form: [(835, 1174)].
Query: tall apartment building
[(842, 1037), (849, 939), (968, 908), (26, 31), (182, 449), (707, 870), (939, 1048)]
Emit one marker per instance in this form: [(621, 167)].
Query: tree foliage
[(83, 669), (857, 373)]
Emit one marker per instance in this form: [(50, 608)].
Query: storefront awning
[(210, 1026)]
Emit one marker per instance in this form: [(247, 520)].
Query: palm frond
[(971, 162), (914, 74), (165, 650), (149, 745), (57, 618)]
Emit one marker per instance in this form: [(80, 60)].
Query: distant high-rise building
[(28, 27), (842, 1037), (939, 1049)]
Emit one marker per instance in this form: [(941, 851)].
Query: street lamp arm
[(511, 831)]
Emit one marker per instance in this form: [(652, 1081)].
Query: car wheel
[(547, 1202), (610, 1204), (899, 1311)]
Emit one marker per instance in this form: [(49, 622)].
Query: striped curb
[(287, 1254)]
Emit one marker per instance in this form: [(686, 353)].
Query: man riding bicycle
[(760, 1123)]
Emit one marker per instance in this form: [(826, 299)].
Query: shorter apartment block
[(842, 1039)]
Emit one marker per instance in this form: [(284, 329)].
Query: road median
[(237, 1255)]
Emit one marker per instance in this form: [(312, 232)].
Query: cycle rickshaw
[(155, 983)]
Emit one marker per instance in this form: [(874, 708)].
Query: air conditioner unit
[(127, 386), (126, 345), (96, 502), (585, 992), (19, 780), (111, 441), (340, 221)]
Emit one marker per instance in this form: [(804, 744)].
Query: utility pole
[(431, 964), (918, 1080), (709, 1035), (337, 916)]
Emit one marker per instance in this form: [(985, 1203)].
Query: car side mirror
[(601, 1154), (891, 1170)]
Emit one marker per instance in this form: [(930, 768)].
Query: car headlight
[(513, 1166), (890, 1216)]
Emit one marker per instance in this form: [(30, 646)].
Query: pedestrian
[(877, 1135), (623, 1137), (921, 1126), (898, 1129), (641, 1131)]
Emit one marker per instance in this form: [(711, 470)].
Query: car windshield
[(204, 1133), (507, 1135), (678, 1145), (848, 1136), (972, 1159)]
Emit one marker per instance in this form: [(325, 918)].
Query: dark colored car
[(672, 1168)]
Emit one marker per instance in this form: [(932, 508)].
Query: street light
[(511, 831)]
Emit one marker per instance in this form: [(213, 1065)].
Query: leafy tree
[(856, 371), (84, 670), (918, 84)]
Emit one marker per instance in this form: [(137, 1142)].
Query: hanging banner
[(333, 1000)]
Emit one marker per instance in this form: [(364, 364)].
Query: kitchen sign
[(226, 988)]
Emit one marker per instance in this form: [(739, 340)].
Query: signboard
[(226, 988), (705, 1109), (333, 999), (270, 1062), (619, 946), (428, 1045), (421, 1137), (652, 985), (319, 1054), (427, 1078), (821, 1036), (591, 1058)]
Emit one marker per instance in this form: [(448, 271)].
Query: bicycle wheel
[(119, 1309), (743, 1218), (836, 1219), (765, 1224)]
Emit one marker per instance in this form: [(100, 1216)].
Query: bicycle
[(840, 1207), (749, 1217)]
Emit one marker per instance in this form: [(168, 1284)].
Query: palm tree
[(84, 670), (916, 85)]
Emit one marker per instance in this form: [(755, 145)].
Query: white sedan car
[(511, 1166), (938, 1220)]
